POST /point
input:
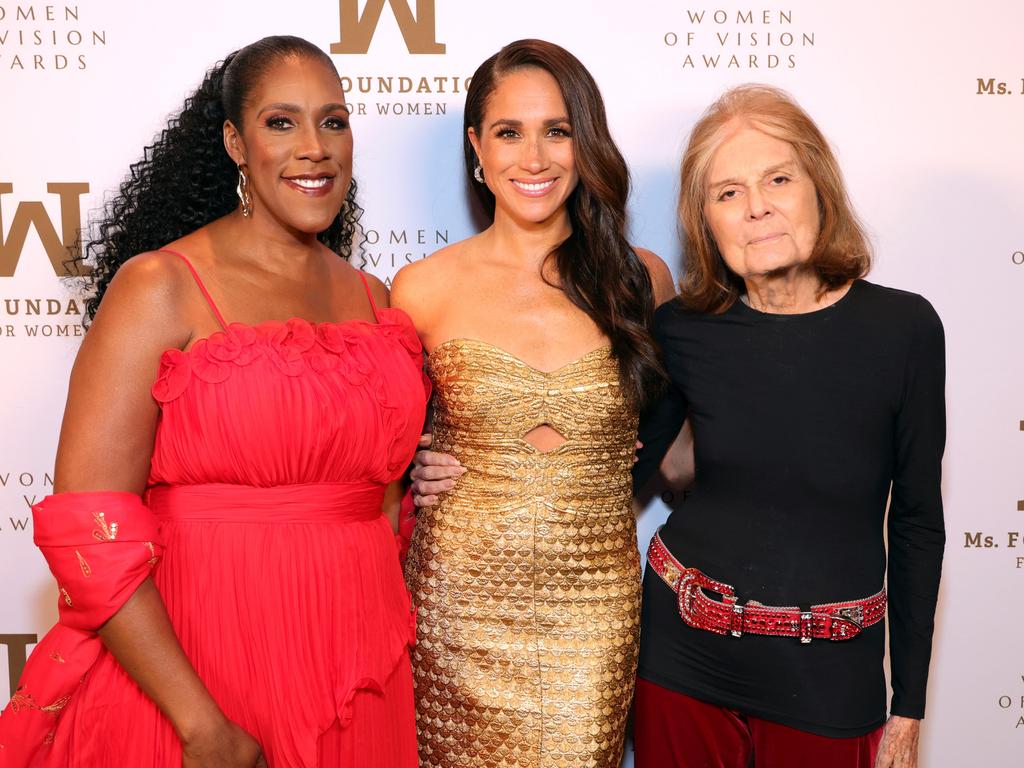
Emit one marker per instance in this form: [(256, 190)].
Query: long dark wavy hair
[(597, 268), (186, 179)]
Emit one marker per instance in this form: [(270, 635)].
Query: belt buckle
[(690, 583), (853, 614), (847, 623)]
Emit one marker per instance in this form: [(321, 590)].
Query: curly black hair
[(186, 179)]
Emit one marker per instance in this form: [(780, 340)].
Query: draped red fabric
[(100, 547)]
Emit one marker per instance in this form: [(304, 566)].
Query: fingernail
[(462, 470), (449, 484)]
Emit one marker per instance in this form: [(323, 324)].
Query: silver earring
[(244, 193), (478, 173)]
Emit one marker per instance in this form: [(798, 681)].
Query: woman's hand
[(433, 473), (223, 744), (900, 740)]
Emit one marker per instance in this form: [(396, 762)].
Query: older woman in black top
[(815, 398)]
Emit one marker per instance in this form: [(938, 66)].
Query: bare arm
[(106, 444), (392, 503), (661, 278), (678, 466)]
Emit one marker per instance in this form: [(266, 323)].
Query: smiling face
[(761, 206), (295, 145), (525, 147)]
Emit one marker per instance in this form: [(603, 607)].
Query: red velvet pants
[(672, 730)]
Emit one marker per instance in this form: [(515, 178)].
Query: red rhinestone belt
[(828, 621)]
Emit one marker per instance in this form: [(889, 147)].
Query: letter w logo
[(357, 31), (60, 250)]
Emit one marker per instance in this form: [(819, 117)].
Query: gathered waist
[(301, 503)]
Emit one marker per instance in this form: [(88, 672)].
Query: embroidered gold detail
[(153, 556), (67, 597), (105, 531), (55, 655), (57, 706), (21, 700), (86, 570), (50, 738)]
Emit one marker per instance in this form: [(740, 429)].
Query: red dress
[(280, 575)]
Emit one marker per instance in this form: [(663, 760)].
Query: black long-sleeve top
[(805, 426)]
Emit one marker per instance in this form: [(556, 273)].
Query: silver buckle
[(853, 614)]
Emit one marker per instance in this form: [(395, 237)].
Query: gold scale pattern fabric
[(526, 576)]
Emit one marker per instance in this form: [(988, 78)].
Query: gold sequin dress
[(526, 577)]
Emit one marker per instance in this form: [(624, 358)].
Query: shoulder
[(661, 276), (148, 307), (426, 281), (676, 312), (378, 289), (345, 273), (151, 280), (908, 309), (676, 325), (906, 322)]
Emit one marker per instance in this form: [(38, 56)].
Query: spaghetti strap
[(206, 293), (369, 295)]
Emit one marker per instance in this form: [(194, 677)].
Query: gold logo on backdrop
[(32, 213), (419, 31), (17, 647)]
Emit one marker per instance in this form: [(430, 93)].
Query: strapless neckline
[(604, 349)]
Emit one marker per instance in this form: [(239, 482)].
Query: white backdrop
[(932, 158)]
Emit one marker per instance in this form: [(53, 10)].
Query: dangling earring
[(478, 173), (244, 193)]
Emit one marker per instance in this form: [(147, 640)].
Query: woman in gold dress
[(526, 572)]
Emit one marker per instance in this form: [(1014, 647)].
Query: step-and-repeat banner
[(924, 103)]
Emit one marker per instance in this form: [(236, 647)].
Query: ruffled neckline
[(294, 346)]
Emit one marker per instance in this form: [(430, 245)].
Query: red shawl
[(100, 547)]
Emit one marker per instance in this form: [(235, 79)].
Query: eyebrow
[(785, 165), (294, 108), (519, 123)]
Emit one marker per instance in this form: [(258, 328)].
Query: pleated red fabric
[(281, 577)]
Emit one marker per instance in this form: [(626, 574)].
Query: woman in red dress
[(230, 590)]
